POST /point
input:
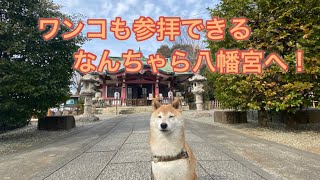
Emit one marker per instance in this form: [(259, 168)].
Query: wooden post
[(123, 93), (157, 87), (104, 92)]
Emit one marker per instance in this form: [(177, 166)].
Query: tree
[(191, 46), (164, 51), (76, 83), (188, 48), (167, 51), (281, 27), (34, 74), (184, 43)]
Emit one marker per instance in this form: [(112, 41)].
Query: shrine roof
[(167, 69)]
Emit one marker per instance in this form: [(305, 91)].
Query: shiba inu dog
[(171, 156)]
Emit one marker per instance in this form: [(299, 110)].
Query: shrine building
[(138, 89)]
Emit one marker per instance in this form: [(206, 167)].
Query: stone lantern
[(197, 89), (89, 83)]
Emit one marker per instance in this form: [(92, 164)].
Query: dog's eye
[(171, 116), (159, 117)]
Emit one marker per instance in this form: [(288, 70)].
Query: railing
[(215, 105), (165, 100), (207, 105), (315, 104), (132, 102)]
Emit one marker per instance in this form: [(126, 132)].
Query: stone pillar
[(197, 89), (87, 105), (199, 101)]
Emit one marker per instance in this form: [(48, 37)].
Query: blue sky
[(130, 10)]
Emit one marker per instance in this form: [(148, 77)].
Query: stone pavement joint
[(131, 156), (115, 121), (119, 149)]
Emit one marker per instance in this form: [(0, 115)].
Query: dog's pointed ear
[(177, 104), (155, 103)]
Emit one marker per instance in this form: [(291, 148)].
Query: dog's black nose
[(164, 125)]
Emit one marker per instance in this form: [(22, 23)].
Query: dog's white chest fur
[(171, 170)]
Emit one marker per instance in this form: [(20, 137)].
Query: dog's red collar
[(182, 155)]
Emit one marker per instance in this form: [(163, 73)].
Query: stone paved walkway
[(119, 149)]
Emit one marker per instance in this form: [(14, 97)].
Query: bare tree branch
[(193, 45), (76, 83)]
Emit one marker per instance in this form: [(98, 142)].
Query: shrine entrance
[(141, 91)]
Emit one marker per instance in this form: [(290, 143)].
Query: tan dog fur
[(170, 143)]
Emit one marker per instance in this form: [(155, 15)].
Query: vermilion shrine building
[(139, 88)]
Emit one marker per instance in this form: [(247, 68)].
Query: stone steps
[(127, 109), (123, 110)]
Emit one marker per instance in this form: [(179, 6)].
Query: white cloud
[(192, 1), (123, 6), (130, 1), (107, 8), (171, 5), (152, 10), (129, 10), (149, 47), (120, 9), (148, 8), (67, 3)]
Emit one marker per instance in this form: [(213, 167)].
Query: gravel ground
[(306, 138), (28, 136)]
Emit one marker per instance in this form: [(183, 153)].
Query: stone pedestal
[(65, 113), (58, 113), (197, 89), (230, 116), (87, 117), (56, 123)]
